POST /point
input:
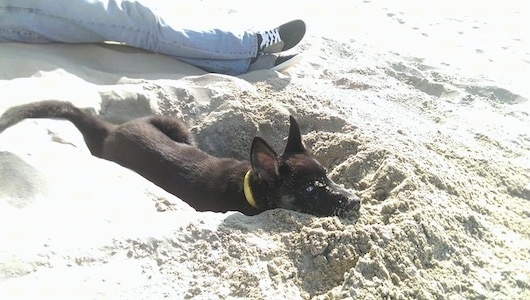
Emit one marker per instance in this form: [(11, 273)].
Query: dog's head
[(295, 180)]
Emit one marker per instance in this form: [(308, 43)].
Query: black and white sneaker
[(281, 38), (274, 62)]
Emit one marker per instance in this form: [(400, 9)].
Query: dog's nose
[(350, 206), (354, 203), (349, 201)]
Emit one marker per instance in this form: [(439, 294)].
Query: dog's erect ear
[(294, 141), (264, 161)]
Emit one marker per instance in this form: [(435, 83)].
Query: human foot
[(282, 38), (274, 62)]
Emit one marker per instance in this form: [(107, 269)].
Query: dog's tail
[(94, 130)]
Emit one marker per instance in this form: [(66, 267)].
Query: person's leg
[(129, 22), (264, 62), (223, 66), (279, 39)]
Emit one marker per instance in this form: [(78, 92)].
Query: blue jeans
[(128, 22)]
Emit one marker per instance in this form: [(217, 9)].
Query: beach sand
[(421, 110)]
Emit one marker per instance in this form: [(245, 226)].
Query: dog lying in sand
[(162, 150)]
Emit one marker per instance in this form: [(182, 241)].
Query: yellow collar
[(248, 190)]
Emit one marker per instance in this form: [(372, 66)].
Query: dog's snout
[(354, 203), (349, 206), (349, 200)]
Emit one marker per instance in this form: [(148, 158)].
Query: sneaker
[(282, 38), (274, 62)]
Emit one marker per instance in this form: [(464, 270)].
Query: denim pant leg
[(128, 22)]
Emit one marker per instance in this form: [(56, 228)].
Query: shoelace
[(270, 37)]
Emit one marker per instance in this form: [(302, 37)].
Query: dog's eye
[(310, 188)]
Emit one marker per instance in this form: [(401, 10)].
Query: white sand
[(423, 109)]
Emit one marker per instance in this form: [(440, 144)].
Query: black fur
[(162, 150)]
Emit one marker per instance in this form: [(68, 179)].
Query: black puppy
[(162, 150)]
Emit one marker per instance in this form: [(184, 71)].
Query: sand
[(436, 144)]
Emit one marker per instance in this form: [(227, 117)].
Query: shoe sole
[(287, 64)]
